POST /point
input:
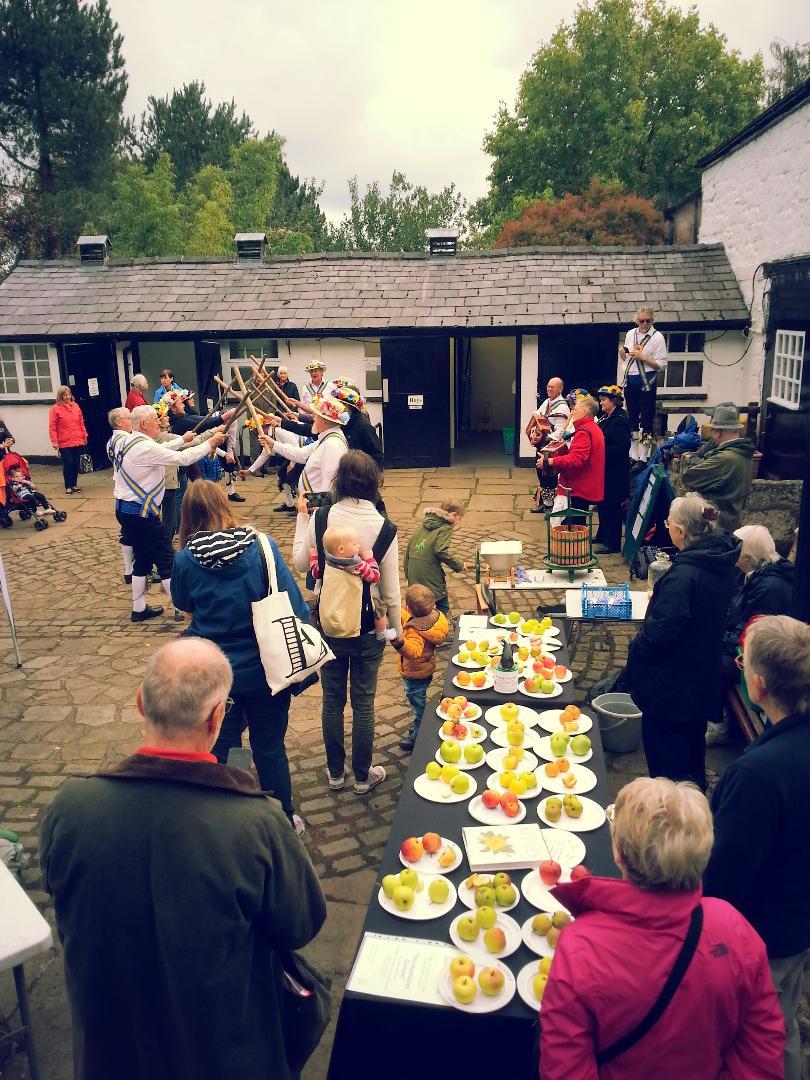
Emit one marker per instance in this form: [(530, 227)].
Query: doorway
[(91, 371), (581, 356), (416, 401), (484, 400)]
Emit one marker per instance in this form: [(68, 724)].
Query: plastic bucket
[(508, 434), (619, 722)]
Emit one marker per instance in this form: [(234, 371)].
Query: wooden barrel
[(570, 545)]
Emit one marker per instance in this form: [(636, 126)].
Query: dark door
[(416, 401), (209, 364), (581, 356), (91, 371)]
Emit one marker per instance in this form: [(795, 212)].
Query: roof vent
[(250, 246), (442, 241), (94, 250)]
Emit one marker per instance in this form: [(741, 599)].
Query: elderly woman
[(612, 964), (137, 392), (68, 435), (674, 662)]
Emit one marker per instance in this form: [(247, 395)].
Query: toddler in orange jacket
[(424, 628)]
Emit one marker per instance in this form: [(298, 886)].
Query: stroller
[(14, 505)]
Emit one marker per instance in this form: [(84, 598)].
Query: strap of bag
[(321, 522), (269, 562), (682, 962), (385, 538)]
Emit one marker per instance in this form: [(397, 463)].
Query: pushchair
[(18, 506)]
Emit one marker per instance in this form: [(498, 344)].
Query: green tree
[(634, 91), (62, 88), (207, 211), (791, 68), (396, 220), (186, 126), (253, 172), (296, 210), (145, 217)]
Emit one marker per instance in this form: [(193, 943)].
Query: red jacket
[(66, 425), (134, 398), (724, 1022), (581, 463)]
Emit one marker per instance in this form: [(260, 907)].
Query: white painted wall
[(29, 426), (723, 378), (528, 390), (756, 202)]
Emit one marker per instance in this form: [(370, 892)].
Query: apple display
[(460, 784), (404, 897), (438, 891), (467, 928), (461, 965), (389, 883), (412, 849), (550, 871), (490, 799), (494, 939), (541, 924), (505, 895), (484, 896), (491, 981), (464, 989)]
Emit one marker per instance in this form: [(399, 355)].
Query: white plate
[(540, 697), (429, 864), (527, 716), (539, 895), (465, 766), (551, 645), (528, 763), (488, 683), (525, 978), (469, 737), (550, 721), (536, 942), (494, 784), (506, 923), (462, 719), (439, 792), (481, 1003), (467, 897), (563, 847), (566, 678), (495, 816), (586, 781), (542, 746), (593, 817), (530, 738), (471, 665), (423, 908), (511, 627)]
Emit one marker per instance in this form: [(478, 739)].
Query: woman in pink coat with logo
[(722, 1019), (68, 435)]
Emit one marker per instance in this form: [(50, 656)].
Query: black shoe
[(407, 743), (236, 497), (284, 509), (602, 550), (538, 510), (147, 613), (127, 579)]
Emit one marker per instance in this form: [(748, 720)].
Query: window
[(27, 371), (261, 348), (683, 374), (788, 361)]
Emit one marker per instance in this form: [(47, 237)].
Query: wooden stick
[(222, 399), (250, 406), (267, 385)]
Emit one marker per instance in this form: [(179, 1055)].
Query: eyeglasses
[(739, 660), (644, 322), (610, 812), (229, 704)]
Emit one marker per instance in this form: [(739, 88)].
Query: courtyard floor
[(71, 707)]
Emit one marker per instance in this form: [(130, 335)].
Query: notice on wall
[(407, 969), (92, 387), (416, 401)]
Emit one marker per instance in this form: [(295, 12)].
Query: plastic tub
[(619, 722), (508, 434)]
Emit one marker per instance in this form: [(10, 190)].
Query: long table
[(391, 1033)]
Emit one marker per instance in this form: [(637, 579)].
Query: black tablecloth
[(388, 1032)]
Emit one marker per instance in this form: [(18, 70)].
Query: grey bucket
[(619, 722)]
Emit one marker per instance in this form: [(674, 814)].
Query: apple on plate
[(580, 745), (491, 981), (438, 891), (494, 939), (484, 896), (510, 711), (550, 871), (431, 842), (501, 878), (529, 779), (447, 858), (541, 924), (479, 679), (389, 883), (544, 967), (518, 786), (433, 770), (490, 799), (449, 773), (559, 743), (473, 753), (553, 936), (412, 849), (505, 895), (450, 751), (486, 916), (470, 711), (538, 985), (467, 927), (510, 804), (460, 784), (580, 872), (404, 897), (409, 877), (464, 989), (454, 711), (461, 965)]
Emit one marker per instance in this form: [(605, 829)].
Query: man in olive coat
[(177, 884), (722, 470)]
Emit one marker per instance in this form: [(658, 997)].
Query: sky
[(365, 87)]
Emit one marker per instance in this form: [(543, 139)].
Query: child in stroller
[(24, 498)]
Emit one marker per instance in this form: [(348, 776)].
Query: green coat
[(724, 477), (174, 884), (428, 550)]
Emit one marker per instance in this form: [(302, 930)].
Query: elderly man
[(547, 424), (644, 355), (139, 464), (722, 470), (137, 392), (121, 423), (178, 887), (761, 857), (581, 463)]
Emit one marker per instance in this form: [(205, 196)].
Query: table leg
[(25, 1021)]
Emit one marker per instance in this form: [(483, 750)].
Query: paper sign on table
[(513, 847), (469, 625), (408, 969)]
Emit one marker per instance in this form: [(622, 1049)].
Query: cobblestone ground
[(70, 708)]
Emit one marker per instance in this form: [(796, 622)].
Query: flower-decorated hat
[(329, 406), (573, 395), (348, 392), (315, 365), (613, 391)]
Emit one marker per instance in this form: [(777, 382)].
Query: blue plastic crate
[(606, 602)]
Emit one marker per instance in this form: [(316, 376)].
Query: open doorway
[(484, 400)]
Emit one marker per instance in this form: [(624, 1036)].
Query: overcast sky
[(368, 86)]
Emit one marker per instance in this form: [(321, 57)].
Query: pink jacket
[(66, 425), (724, 1022)]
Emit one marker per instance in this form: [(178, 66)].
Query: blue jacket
[(219, 599)]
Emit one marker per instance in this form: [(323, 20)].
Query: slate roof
[(523, 288)]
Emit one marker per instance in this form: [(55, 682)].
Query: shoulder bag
[(306, 1007), (290, 650)]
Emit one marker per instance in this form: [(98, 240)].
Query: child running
[(424, 628), (429, 551)]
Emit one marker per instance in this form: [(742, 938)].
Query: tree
[(145, 218), (634, 91), (396, 221), (791, 69), (188, 128), (296, 211), (208, 210), (604, 214), (62, 88), (253, 173)]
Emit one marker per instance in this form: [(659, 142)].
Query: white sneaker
[(335, 782), (716, 734), (376, 775), (298, 825)]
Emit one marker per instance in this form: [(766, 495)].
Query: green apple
[(464, 989), (404, 897), (389, 883), (580, 745), (505, 895), (433, 770), (500, 619), (467, 927), (538, 986), (529, 779), (541, 924), (450, 751), (460, 784), (438, 890), (560, 919), (486, 916), (473, 753), (547, 686), (409, 877), (544, 967), (514, 617), (501, 878), (484, 896), (559, 743)]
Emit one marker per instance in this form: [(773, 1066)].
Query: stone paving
[(70, 708)]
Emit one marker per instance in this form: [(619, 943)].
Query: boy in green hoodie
[(429, 552)]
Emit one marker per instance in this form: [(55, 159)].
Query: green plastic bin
[(508, 434)]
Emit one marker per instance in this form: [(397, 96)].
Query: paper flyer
[(407, 969), (513, 847), (471, 624)]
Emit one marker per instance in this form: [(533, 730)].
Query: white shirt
[(140, 464), (320, 458), (653, 346), (556, 411), (308, 395)]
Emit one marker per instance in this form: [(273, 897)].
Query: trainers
[(298, 825), (335, 782), (376, 775), (235, 497), (178, 615), (716, 734), (147, 613)]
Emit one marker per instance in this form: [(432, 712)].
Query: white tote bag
[(290, 649)]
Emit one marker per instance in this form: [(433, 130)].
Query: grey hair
[(282, 367), (114, 415), (757, 544), (139, 414), (183, 682), (648, 309), (590, 404), (139, 381), (777, 648), (696, 516)]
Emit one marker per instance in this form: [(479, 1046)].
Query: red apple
[(580, 872), (509, 804), (548, 662), (537, 667), (550, 871), (460, 731), (490, 799), (412, 849), (431, 842)]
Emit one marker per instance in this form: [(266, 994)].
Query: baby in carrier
[(342, 549)]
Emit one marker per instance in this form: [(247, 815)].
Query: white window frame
[(53, 366), (684, 356), (243, 342), (788, 365)]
